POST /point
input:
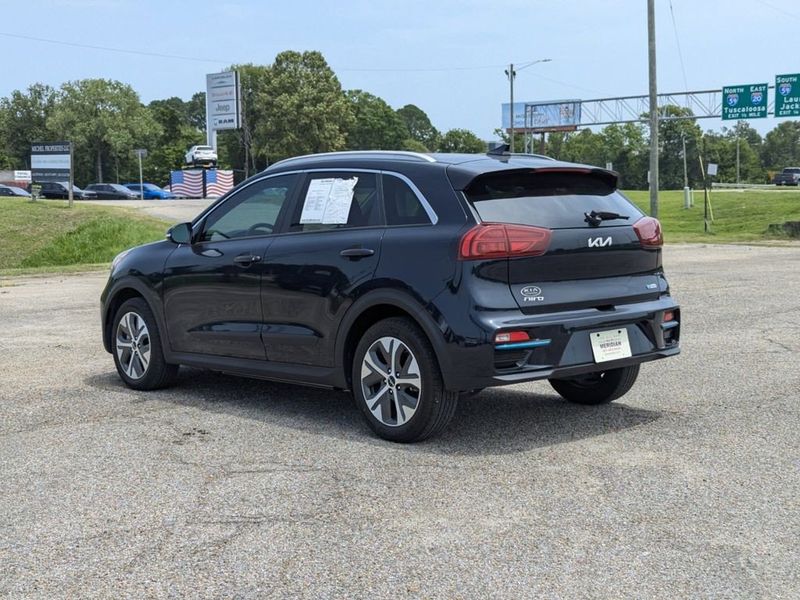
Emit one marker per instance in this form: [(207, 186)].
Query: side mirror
[(180, 233)]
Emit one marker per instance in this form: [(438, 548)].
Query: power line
[(110, 49), (678, 42), (779, 9)]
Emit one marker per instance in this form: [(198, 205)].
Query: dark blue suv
[(407, 278)]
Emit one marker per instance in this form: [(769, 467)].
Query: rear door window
[(557, 200), (337, 200)]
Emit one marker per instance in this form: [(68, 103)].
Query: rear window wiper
[(594, 218)]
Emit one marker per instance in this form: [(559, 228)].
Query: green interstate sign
[(787, 95), (744, 102)]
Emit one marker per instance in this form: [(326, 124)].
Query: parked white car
[(201, 155)]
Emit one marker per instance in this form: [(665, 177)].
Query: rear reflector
[(668, 316), (499, 240), (511, 336), (648, 230)]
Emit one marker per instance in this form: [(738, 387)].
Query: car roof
[(461, 168)]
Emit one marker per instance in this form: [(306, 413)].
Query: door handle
[(356, 253), (246, 259)]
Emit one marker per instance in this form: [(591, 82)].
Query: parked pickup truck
[(789, 176)]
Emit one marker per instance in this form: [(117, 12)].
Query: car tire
[(137, 350), (397, 383), (597, 388)]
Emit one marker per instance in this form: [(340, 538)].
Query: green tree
[(178, 134), (106, 121), (247, 149), (419, 126), (196, 111), (375, 126), (782, 146), (461, 140), (750, 149), (672, 131), (23, 119), (304, 109), (584, 147)]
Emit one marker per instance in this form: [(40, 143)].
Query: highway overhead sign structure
[(787, 95), (223, 101), (744, 102)]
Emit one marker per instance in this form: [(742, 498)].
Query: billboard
[(543, 116), (51, 161), (223, 101), (744, 101)]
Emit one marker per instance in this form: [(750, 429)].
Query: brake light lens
[(648, 230), (500, 240)]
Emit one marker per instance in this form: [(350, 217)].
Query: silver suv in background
[(201, 155)]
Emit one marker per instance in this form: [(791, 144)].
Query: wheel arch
[(123, 291), (378, 306)]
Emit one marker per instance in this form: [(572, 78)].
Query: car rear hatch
[(594, 248)]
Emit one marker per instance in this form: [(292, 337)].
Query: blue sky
[(597, 48)]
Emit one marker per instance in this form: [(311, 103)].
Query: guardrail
[(744, 186)]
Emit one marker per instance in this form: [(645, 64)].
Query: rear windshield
[(556, 200)]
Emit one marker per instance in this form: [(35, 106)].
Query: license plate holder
[(611, 344)]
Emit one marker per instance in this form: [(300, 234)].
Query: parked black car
[(407, 278), (111, 191), (12, 190), (60, 190)]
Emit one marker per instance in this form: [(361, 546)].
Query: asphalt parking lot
[(226, 487)]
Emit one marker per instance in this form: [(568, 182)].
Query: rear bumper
[(565, 349)]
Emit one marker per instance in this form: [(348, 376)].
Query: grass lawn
[(739, 216), (47, 235)]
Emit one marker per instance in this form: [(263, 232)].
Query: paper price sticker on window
[(328, 201)]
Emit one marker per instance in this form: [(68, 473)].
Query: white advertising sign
[(223, 100), (22, 175)]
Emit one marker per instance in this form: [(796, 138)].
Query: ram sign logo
[(599, 242)]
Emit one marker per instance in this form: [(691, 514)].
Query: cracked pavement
[(223, 487)]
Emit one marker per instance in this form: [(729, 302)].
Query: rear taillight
[(499, 240), (648, 230)]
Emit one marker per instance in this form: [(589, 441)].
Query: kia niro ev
[(407, 278)]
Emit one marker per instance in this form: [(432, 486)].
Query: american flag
[(187, 183), (218, 182)]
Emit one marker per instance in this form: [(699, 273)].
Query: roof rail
[(364, 153)]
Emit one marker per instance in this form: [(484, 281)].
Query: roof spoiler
[(463, 180)]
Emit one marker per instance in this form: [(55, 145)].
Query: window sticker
[(328, 201)]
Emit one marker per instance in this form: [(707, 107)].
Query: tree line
[(296, 105)]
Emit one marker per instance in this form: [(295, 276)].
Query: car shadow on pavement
[(496, 421)]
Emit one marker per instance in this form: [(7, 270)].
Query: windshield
[(557, 200)]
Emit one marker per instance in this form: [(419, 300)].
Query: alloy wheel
[(391, 381), (133, 345)]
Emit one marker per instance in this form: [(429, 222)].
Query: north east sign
[(787, 95), (744, 102)]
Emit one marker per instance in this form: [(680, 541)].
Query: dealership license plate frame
[(611, 344)]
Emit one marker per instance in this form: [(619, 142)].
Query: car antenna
[(500, 150)]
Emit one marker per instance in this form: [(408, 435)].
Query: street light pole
[(511, 74), (651, 55)]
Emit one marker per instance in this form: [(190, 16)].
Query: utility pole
[(738, 180), (651, 54), (511, 74)]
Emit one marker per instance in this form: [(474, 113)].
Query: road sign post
[(744, 102), (141, 153), (787, 95)]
